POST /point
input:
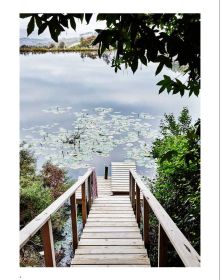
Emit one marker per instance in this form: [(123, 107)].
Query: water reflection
[(66, 80)]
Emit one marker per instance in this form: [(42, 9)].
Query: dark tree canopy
[(165, 39)]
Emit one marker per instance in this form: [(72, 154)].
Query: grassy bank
[(24, 50)]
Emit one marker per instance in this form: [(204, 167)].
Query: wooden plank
[(111, 259), (186, 252), (112, 204), (103, 215), (110, 229), (110, 265), (74, 220), (120, 188), (108, 205), (112, 235), (106, 219), (83, 250), (48, 244), (111, 199), (114, 197), (111, 242), (106, 208), (110, 224), (111, 212)]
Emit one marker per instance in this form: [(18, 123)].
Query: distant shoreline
[(24, 50)]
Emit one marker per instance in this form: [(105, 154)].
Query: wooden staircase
[(111, 236)]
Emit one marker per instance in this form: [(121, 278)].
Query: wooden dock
[(111, 234)]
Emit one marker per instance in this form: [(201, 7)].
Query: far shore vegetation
[(84, 45)]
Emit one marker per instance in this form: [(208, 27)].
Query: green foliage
[(37, 192), (140, 38), (54, 178), (27, 162), (33, 200), (177, 184)]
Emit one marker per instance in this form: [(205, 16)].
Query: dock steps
[(111, 236)]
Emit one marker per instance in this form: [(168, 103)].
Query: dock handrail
[(43, 220), (167, 228)]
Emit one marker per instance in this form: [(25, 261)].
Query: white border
[(10, 136)]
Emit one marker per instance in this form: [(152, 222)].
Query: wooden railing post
[(106, 172), (162, 247), (133, 192), (74, 220), (89, 193), (47, 237), (146, 209), (91, 187), (84, 207), (138, 208), (130, 178)]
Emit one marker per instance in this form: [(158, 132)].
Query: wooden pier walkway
[(111, 236)]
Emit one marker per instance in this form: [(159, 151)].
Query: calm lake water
[(66, 80)]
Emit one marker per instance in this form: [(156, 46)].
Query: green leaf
[(97, 39), (143, 59), (25, 15), (38, 21), (159, 68), (134, 65), (30, 27), (88, 17), (162, 89), (101, 17), (73, 23), (160, 83), (63, 20), (53, 33), (42, 28), (175, 89), (79, 16), (167, 78), (168, 155)]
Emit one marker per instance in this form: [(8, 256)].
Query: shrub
[(177, 183), (33, 200)]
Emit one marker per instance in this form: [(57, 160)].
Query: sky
[(68, 33)]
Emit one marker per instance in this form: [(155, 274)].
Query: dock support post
[(130, 178), (74, 220), (89, 193), (106, 172), (84, 208), (133, 193), (145, 222), (47, 237), (162, 247), (138, 208)]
